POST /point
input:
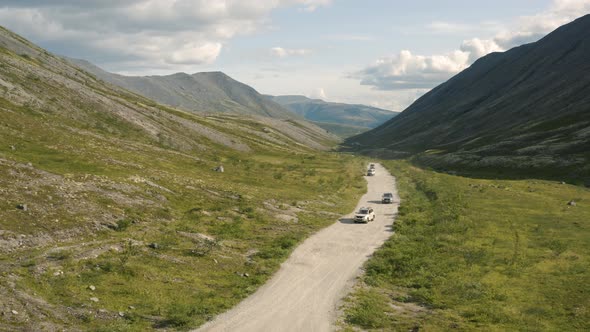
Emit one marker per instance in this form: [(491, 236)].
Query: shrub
[(123, 224)]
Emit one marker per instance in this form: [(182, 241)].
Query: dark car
[(387, 198)]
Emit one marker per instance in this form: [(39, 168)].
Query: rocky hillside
[(525, 111), (210, 92), (342, 119), (115, 214)]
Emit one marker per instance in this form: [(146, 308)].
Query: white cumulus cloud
[(154, 33), (285, 52), (191, 53), (476, 48), (408, 71)]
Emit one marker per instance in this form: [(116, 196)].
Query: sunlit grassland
[(200, 242), (473, 254)]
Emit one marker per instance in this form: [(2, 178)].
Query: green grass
[(184, 281), (143, 217), (342, 130), (473, 254)]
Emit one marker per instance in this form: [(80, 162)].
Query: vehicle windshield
[(388, 195), (364, 211)]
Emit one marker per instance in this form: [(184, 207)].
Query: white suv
[(364, 215)]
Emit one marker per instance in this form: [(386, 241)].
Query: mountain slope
[(525, 109), (114, 215), (342, 119), (210, 92)]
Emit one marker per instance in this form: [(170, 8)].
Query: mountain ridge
[(204, 92), (343, 119), (524, 109)]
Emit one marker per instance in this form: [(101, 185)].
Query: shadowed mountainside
[(525, 111), (342, 119)]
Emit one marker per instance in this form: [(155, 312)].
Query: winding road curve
[(305, 293)]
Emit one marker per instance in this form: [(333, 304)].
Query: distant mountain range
[(209, 92), (342, 119), (523, 111), (216, 92)]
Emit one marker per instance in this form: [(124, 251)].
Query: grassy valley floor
[(472, 254), (109, 230), (163, 243)]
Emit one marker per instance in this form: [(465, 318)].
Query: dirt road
[(305, 293)]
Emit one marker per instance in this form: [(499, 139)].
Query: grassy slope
[(100, 189), (342, 130), (186, 280), (479, 254)]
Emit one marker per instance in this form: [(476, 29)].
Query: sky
[(384, 53)]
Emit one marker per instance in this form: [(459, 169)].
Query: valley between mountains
[(183, 202)]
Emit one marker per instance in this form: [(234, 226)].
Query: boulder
[(571, 203)]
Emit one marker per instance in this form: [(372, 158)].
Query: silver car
[(387, 198)]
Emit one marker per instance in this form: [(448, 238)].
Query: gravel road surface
[(304, 295)]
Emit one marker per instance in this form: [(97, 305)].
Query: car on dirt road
[(364, 215), (372, 166), (371, 172), (387, 198)]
